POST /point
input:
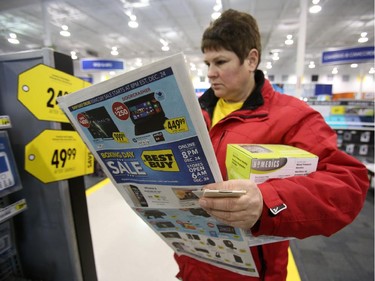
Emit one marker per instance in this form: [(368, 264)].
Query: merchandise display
[(10, 182)]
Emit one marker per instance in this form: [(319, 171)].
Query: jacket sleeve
[(321, 203)]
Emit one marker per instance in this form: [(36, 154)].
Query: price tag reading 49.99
[(61, 156), (57, 155)]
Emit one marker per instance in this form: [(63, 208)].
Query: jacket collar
[(208, 100)]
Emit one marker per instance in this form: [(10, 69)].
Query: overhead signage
[(58, 155), (39, 86), (102, 64), (352, 55)]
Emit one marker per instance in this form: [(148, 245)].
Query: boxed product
[(260, 162)]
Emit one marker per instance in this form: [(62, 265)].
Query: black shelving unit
[(52, 236)]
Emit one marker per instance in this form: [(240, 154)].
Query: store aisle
[(124, 246)]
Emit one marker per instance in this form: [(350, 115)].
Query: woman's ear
[(253, 59)]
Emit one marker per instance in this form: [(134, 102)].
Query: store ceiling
[(98, 25)]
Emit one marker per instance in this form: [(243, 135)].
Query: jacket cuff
[(272, 206)]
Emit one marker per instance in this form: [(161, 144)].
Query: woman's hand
[(243, 211)]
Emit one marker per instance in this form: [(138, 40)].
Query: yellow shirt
[(223, 108)]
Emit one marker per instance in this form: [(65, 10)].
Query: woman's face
[(230, 79)]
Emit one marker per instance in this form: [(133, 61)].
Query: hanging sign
[(39, 86), (102, 64), (58, 155), (360, 54)]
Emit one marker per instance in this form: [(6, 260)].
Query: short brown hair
[(234, 31)]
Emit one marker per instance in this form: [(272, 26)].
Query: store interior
[(81, 228)]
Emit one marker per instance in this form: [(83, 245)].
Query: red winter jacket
[(321, 203)]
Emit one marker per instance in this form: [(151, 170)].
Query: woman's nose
[(211, 72)]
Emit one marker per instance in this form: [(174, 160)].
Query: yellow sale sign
[(58, 155), (39, 86)]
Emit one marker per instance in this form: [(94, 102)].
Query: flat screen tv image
[(147, 114), (101, 126)]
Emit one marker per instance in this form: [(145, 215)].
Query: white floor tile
[(125, 248)]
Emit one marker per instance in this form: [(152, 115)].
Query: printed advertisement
[(146, 129)]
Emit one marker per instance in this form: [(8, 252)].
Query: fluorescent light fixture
[(315, 9), (133, 24), (354, 65), (275, 56), (215, 15), (335, 70), (289, 40), (73, 55), (13, 38), (114, 51), (312, 64), (165, 48), (64, 31), (363, 38)]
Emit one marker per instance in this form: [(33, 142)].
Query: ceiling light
[(289, 40), (215, 15), (315, 9), (13, 38), (136, 4), (275, 56), (269, 65), (363, 38), (312, 64), (372, 70), (335, 70), (165, 48), (315, 2), (73, 55), (354, 65), (64, 31), (138, 62), (114, 51), (133, 24)]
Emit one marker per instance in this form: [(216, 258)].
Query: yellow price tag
[(39, 86), (57, 155), (176, 125), (120, 137), (338, 110), (4, 121)]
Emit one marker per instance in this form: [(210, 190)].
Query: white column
[(301, 47), (47, 41)]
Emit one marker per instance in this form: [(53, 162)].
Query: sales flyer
[(146, 129)]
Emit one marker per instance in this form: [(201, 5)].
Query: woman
[(242, 107)]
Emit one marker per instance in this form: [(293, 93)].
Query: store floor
[(126, 249)]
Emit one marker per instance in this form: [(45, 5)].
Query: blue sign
[(101, 64), (360, 54)]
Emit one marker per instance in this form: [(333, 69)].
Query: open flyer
[(146, 129)]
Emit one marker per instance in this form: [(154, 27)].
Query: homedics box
[(260, 162)]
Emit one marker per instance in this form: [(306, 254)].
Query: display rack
[(52, 236), (9, 183), (353, 121)]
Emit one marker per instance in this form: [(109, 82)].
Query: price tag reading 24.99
[(57, 155), (38, 88), (176, 125)]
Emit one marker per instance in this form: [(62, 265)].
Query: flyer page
[(146, 129)]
